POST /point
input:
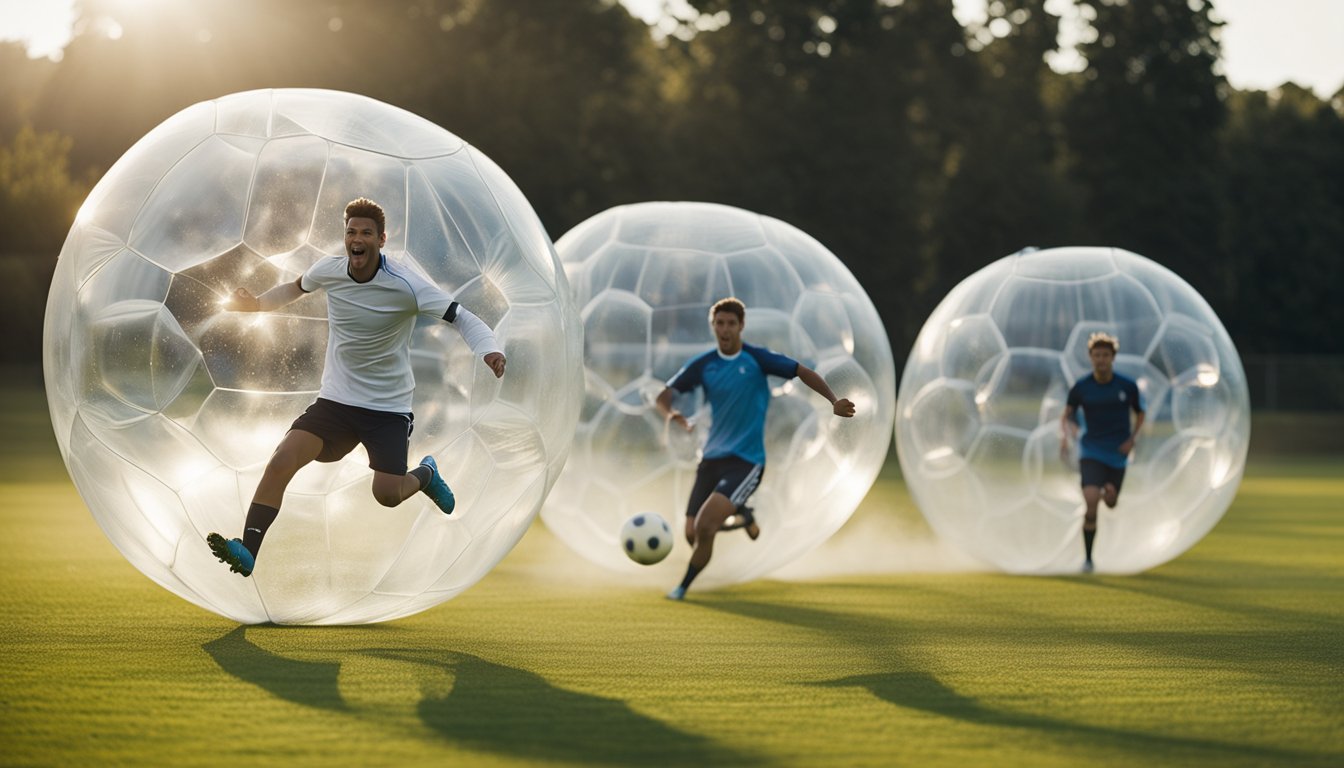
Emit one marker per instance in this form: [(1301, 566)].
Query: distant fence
[(1313, 383)]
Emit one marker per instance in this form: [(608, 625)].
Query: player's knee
[(705, 526), (388, 497), (283, 463)]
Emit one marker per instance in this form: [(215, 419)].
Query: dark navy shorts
[(733, 477), (386, 435), (1098, 474)]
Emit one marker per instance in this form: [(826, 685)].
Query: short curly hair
[(731, 304), (364, 208), (1102, 339)]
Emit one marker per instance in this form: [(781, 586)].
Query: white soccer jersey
[(369, 324)]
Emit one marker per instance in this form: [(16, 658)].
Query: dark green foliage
[(916, 150)]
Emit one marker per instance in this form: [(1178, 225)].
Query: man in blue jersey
[(734, 377), (1106, 399), (367, 386)]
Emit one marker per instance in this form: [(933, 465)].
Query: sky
[(1265, 42)]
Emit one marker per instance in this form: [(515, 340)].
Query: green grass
[(1229, 656)]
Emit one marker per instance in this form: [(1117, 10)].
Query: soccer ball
[(644, 278), (166, 408), (977, 426), (646, 538)]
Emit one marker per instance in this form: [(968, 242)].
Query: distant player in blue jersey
[(734, 377), (367, 385), (1106, 399)]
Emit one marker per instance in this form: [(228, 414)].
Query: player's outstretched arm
[(664, 406), (839, 405), (479, 336), (495, 361), (242, 299)]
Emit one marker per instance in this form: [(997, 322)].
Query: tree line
[(915, 149)]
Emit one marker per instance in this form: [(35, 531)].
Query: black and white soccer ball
[(646, 538)]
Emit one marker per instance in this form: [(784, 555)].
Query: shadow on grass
[(909, 686), (490, 707), (512, 711), (310, 683), (923, 692)]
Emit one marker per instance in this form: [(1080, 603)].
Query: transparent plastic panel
[(185, 222), (288, 178)]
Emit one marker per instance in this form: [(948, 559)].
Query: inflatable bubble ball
[(167, 408), (644, 278), (978, 421)]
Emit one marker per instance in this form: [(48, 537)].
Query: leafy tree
[(1284, 230), (1006, 190), (1142, 129), (39, 200)]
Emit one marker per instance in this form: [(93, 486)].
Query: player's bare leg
[(1110, 495), (708, 521), (296, 450), (1091, 497), (390, 490)]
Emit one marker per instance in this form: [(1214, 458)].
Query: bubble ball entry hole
[(644, 278), (166, 407), (978, 420)]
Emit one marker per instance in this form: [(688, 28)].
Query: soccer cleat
[(436, 489), (232, 552), (1087, 566), (678, 593)]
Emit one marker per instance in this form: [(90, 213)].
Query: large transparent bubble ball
[(644, 278), (166, 408), (977, 427)]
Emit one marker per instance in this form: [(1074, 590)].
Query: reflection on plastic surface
[(166, 408), (977, 425), (644, 278)]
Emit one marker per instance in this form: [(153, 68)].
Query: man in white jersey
[(367, 386)]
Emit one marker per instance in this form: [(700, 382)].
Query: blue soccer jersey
[(739, 394), (1105, 409)]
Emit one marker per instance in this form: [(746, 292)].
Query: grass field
[(1230, 656)]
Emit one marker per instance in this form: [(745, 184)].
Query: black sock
[(1088, 536), (423, 474), (691, 571), (259, 519)]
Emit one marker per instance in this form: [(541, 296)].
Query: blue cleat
[(232, 552), (677, 593), (437, 490)]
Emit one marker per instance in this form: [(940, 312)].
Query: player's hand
[(1126, 447), (1064, 448), (843, 407), (495, 362), (242, 300), (678, 418)]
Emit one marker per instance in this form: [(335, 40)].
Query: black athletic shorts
[(385, 434), (1098, 474), (733, 477)]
